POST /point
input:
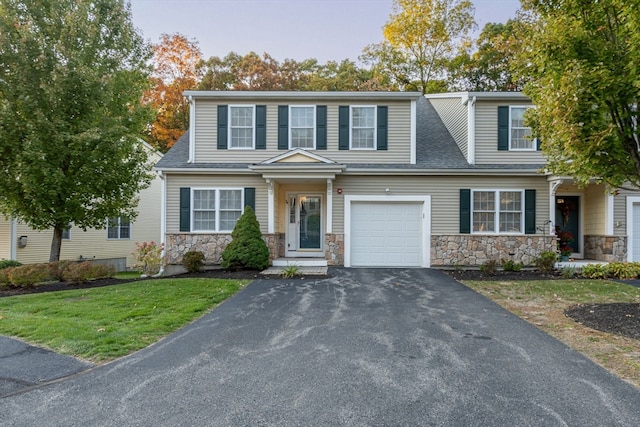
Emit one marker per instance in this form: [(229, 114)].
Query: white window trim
[(315, 125), (375, 128), (217, 209), (496, 194), (253, 127), (119, 230), (534, 141)]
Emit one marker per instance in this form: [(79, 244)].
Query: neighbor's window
[(302, 126), (216, 209), (241, 126), (520, 137), (118, 228), (363, 126), (498, 211), (66, 233)]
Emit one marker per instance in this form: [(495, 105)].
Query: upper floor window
[(302, 127), (118, 228), (363, 127), (216, 209), (497, 211), (520, 137), (241, 126)]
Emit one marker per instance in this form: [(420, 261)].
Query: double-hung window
[(216, 209), (118, 228), (498, 211), (520, 136), (363, 127), (302, 127), (242, 126)]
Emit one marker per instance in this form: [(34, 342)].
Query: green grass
[(100, 324), (128, 275), (575, 290)]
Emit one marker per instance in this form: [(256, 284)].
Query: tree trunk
[(56, 244)]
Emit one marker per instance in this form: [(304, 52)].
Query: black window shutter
[(538, 144), (321, 127), (283, 127), (503, 128), (343, 127), (185, 209), (465, 211), (223, 113), (530, 211), (382, 127), (261, 127), (250, 197)]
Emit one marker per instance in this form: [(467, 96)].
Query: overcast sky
[(297, 29)]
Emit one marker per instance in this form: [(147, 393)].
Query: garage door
[(386, 234)]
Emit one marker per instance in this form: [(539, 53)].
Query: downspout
[(471, 131), (163, 227), (192, 129), (13, 240)]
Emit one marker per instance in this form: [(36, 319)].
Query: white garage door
[(386, 234), (635, 256)]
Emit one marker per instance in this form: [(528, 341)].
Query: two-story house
[(375, 179)]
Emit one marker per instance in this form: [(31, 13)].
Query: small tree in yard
[(247, 249)]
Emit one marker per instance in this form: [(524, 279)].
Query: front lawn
[(100, 324)]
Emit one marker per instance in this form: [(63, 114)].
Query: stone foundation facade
[(475, 250), (334, 249), (211, 245), (606, 248)]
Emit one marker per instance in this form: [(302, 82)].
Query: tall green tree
[(583, 58), (489, 66), (421, 38), (72, 75)]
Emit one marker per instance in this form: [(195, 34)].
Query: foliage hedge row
[(27, 276)]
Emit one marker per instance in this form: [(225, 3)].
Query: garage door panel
[(386, 234)]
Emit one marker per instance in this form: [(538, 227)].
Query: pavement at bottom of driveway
[(23, 366), (407, 347)]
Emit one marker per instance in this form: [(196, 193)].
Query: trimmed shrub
[(80, 272), (623, 270), (247, 249), (511, 265), (546, 261), (26, 276), (6, 263), (57, 268), (193, 261)]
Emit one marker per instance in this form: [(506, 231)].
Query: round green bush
[(193, 261)]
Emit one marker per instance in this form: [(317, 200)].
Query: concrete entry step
[(302, 271), (299, 262)]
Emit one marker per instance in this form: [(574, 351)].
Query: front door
[(304, 229), (568, 218)]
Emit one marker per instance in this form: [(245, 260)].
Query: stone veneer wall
[(606, 248), (334, 249), (212, 246), (469, 249)]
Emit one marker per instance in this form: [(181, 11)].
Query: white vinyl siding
[(453, 114), (486, 147), (175, 181), (399, 135)]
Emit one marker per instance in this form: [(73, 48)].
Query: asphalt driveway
[(365, 347)]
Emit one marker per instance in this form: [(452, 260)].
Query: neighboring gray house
[(378, 179)]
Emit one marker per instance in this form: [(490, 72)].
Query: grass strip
[(101, 324)]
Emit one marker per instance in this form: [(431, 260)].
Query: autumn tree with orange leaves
[(175, 70)]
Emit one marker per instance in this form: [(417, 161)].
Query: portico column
[(271, 215), (329, 206)]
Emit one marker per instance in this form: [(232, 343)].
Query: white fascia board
[(302, 95), (485, 96)]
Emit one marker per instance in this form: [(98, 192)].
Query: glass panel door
[(310, 222)]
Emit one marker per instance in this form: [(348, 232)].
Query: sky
[(296, 29)]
